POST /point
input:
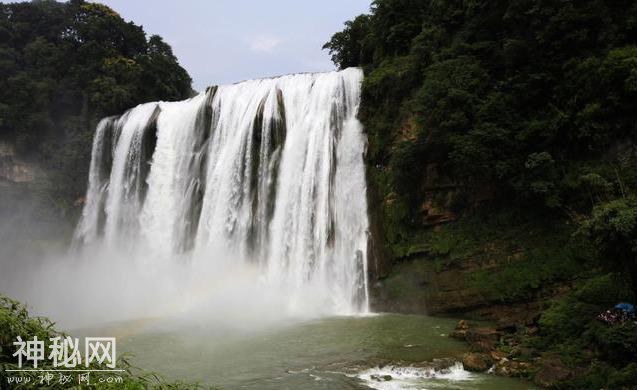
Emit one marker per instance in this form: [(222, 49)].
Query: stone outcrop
[(499, 353), (14, 169), (512, 368)]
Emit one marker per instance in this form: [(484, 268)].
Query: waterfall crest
[(267, 172)]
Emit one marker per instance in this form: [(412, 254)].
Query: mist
[(97, 286)]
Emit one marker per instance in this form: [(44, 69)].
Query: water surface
[(329, 353)]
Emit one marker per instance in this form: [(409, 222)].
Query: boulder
[(478, 362)]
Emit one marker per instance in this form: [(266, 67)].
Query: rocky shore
[(499, 350)]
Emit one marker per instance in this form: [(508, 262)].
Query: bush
[(15, 321)]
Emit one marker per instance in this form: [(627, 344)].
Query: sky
[(225, 41)]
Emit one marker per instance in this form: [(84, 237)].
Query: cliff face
[(430, 284), (459, 253), (28, 215), (14, 170)]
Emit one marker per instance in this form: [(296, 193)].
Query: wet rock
[(459, 334), (442, 364), (478, 362), (513, 368), (381, 378), (520, 351), (482, 346), (482, 339), (461, 330), (498, 355)]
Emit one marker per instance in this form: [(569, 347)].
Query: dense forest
[(66, 65), (518, 120)]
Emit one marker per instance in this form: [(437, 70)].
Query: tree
[(66, 65), (612, 229), (348, 47)]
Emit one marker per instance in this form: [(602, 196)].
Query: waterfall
[(266, 172)]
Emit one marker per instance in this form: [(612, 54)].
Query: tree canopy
[(529, 97), (64, 66), (531, 101)]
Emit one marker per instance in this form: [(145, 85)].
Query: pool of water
[(386, 351)]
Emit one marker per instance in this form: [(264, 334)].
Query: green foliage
[(519, 257), (392, 81), (348, 48), (612, 228), (516, 96), (525, 254), (603, 376), (15, 321), (569, 327), (566, 318), (604, 290), (521, 279), (66, 65), (471, 236)]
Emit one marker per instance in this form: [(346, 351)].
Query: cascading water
[(264, 172)]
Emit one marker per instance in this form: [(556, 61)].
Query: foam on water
[(409, 377)]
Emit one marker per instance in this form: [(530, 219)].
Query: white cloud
[(264, 43)]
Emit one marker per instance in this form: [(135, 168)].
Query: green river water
[(329, 353)]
